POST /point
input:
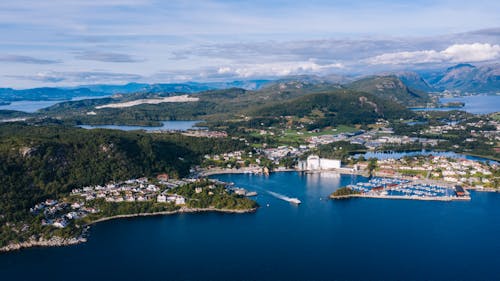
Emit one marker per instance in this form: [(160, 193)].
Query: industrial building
[(315, 163)]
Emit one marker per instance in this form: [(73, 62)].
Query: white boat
[(251, 193), (294, 201)]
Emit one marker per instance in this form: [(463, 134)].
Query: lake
[(28, 106), (479, 104), (33, 106), (321, 239), (166, 126)]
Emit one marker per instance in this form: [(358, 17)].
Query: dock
[(393, 188)]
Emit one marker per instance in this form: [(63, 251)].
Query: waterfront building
[(315, 163)]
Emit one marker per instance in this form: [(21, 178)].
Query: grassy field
[(295, 136), (496, 116)]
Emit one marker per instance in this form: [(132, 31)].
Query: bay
[(33, 106), (477, 104), (321, 239)]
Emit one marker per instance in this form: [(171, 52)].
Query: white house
[(161, 198), (180, 200)]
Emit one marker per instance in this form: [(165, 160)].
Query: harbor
[(396, 188)]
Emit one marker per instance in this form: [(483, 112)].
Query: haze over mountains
[(408, 87)]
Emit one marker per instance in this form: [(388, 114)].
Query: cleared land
[(182, 98), (291, 136)]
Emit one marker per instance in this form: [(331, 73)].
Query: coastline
[(487, 157), (57, 241), (211, 172), (179, 211), (349, 171)]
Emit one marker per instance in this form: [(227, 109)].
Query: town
[(159, 194)]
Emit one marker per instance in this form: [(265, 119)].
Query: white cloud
[(277, 69), (72, 78), (475, 52), (472, 52)]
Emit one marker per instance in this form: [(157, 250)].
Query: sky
[(79, 42)]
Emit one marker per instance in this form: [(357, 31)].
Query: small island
[(452, 104), (344, 193), (65, 221)]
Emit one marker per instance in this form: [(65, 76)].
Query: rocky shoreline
[(59, 241), (52, 242), (180, 211)]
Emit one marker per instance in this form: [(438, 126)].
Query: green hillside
[(391, 87), (39, 162), (336, 107)]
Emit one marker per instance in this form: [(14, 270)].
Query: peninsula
[(65, 221)]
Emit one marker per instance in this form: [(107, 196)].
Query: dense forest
[(337, 107), (39, 162)]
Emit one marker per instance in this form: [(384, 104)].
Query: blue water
[(399, 155), (361, 239), (28, 106), (479, 104), (33, 106), (167, 126)]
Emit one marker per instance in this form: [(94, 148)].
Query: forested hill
[(337, 107), (38, 162), (392, 88)]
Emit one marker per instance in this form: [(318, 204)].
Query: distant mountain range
[(187, 87), (408, 87), (466, 78), (46, 93)]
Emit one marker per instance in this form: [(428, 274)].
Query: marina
[(394, 188)]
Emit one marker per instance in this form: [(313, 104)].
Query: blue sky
[(73, 42)]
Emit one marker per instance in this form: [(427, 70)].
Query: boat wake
[(284, 197)]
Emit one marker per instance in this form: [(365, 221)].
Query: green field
[(299, 136)]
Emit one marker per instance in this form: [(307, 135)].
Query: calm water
[(321, 239), (28, 106), (33, 106), (399, 155), (474, 104), (167, 125)]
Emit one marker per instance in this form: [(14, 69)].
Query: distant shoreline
[(59, 241)]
